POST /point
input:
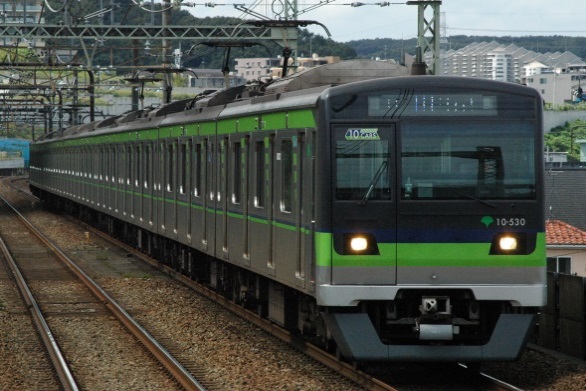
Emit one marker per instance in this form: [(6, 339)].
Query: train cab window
[(362, 163), (259, 196), (467, 160), (287, 185)]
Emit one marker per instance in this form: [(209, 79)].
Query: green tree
[(563, 138)]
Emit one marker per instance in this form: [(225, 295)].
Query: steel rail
[(178, 371), (344, 369), (61, 368)]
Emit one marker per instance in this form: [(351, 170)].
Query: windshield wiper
[(476, 199), (374, 181)]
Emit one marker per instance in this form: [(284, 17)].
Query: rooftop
[(560, 233)]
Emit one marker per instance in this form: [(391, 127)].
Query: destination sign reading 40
[(362, 134)]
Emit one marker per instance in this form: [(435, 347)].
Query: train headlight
[(512, 243), (508, 243), (360, 244)]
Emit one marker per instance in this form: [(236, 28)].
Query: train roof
[(300, 89)]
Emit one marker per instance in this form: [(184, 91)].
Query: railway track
[(360, 378), (49, 281)]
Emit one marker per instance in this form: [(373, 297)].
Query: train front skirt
[(357, 340)]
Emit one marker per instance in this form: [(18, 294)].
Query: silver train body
[(393, 218)]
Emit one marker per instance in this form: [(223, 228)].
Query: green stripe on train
[(428, 254), (273, 121)]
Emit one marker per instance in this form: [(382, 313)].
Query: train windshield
[(468, 160), (363, 163)]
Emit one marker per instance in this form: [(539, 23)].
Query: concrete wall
[(551, 119)]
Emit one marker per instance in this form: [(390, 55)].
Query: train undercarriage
[(417, 317)]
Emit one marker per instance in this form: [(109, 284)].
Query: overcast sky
[(462, 17)]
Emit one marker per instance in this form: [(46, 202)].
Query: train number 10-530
[(510, 222)]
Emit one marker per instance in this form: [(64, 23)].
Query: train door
[(115, 159), (170, 189), (236, 214), (121, 186), (364, 211), (198, 196), (103, 177), (136, 194), (258, 229), (147, 185), (286, 229), (159, 185), (306, 267), (211, 194), (183, 204), (222, 250)]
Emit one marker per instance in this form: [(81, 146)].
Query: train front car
[(430, 235)]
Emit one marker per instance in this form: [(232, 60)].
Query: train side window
[(147, 166), (103, 171), (114, 172), (237, 173), (198, 162), (287, 176), (259, 197), (138, 166), (209, 178), (183, 167), (169, 164), (129, 165)]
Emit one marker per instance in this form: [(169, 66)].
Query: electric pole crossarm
[(45, 31)]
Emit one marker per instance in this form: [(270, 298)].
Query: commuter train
[(388, 217)]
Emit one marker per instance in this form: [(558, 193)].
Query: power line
[(518, 31)]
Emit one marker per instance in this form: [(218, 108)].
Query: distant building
[(557, 76), (556, 157), (566, 248), (582, 144), (24, 11), (492, 60), (558, 85), (212, 79), (255, 68)]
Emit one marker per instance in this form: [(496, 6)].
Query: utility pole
[(428, 28), (167, 84)]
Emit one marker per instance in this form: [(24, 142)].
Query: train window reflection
[(362, 164), (259, 197), (287, 175), (237, 173), (198, 161), (464, 160)]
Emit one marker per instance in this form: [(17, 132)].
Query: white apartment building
[(556, 85), (500, 65), (492, 60), (253, 68)]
